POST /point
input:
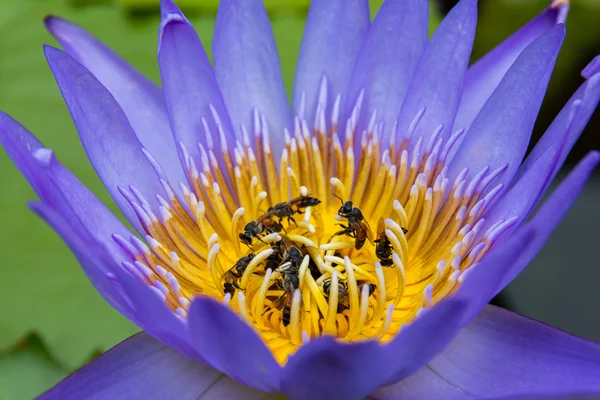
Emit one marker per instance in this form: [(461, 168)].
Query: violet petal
[(59, 188), (503, 354), (438, 79), (110, 143), (92, 258), (190, 87), (419, 342), (231, 346), (592, 68), (140, 99), (501, 131), (485, 75), (247, 68), (424, 384), (334, 34), (387, 60), (334, 370), (551, 213), (142, 368), (586, 100)]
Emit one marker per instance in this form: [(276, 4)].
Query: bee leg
[(259, 238), (267, 309), (290, 220)]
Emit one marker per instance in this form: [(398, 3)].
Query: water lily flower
[(343, 247)]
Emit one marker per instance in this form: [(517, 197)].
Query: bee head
[(346, 209), (313, 201), (246, 238)]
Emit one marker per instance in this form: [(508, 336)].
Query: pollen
[(342, 235)]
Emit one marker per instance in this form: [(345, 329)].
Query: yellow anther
[(253, 265), (333, 305), (294, 327)]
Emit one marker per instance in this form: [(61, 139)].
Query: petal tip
[(51, 51), (43, 156), (592, 68), (594, 157), (562, 9), (169, 9)]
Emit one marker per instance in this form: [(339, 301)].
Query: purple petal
[(156, 318), (106, 135), (333, 370), (140, 99), (485, 75), (438, 80), (479, 283), (592, 68), (351, 371), (92, 258), (334, 34), (231, 346), (190, 86), (388, 59), (521, 198), (247, 68), (585, 100), (142, 368), (424, 384), (552, 212), (504, 354), (422, 340), (540, 167), (59, 188), (500, 133)]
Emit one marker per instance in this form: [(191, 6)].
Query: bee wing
[(268, 214), (380, 228), (224, 276), (280, 301)]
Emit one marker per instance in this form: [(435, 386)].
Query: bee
[(371, 287), (275, 259), (264, 224), (287, 209), (343, 292), (383, 246), (289, 268), (357, 228), (234, 274), (291, 282)]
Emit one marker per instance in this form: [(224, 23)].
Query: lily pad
[(28, 371)]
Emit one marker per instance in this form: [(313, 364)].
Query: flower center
[(332, 241)]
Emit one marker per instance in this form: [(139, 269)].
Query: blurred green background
[(51, 320)]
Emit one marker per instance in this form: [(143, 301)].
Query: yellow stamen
[(235, 229)]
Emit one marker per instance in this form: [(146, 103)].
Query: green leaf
[(28, 371)]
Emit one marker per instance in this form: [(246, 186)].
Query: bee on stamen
[(288, 269), (287, 209), (344, 292), (235, 273), (263, 225), (357, 228)]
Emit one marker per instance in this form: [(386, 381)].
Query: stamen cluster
[(293, 252)]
